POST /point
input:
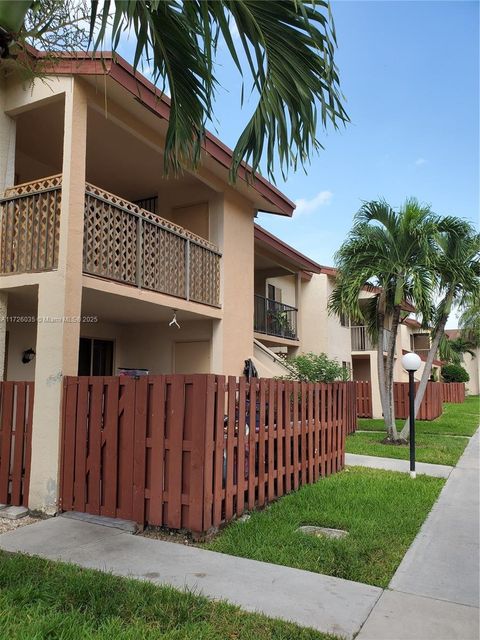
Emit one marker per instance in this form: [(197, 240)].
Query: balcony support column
[(59, 311), (298, 303), (3, 333), (7, 145)]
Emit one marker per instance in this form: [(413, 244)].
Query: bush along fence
[(431, 406), (195, 451), (16, 408), (453, 391), (364, 399)]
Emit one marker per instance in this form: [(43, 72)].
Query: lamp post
[(411, 362)]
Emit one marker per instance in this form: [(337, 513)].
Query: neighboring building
[(471, 364), (350, 344), (92, 230)]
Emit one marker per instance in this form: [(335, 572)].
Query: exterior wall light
[(28, 356), (411, 363)]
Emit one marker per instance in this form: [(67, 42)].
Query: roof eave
[(117, 68)]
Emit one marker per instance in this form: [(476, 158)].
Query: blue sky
[(410, 74), (409, 71)]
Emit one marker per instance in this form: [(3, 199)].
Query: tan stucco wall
[(472, 365), (287, 284), (233, 337), (319, 331), (21, 336), (151, 346)]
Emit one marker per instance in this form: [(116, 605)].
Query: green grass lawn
[(40, 599), (456, 420), (381, 510), (428, 448), (433, 439)]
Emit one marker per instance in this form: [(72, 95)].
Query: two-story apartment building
[(470, 362), (100, 251), (349, 343)]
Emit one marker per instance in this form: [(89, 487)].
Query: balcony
[(274, 318), (361, 341), (121, 242)]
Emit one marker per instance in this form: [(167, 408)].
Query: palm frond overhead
[(285, 47)]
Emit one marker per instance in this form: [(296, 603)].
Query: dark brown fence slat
[(175, 422), (271, 440), (8, 390), (280, 439), (197, 463), (219, 451), (252, 444), (80, 477), (110, 447), (139, 449), (240, 476), (28, 443), (261, 443), (157, 449), (94, 445), (16, 496), (126, 425), (296, 436), (231, 424), (288, 395), (209, 452)]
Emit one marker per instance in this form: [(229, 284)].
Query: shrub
[(312, 367), (454, 373)]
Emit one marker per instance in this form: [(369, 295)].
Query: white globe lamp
[(411, 362)]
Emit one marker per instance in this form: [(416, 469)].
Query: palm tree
[(389, 253), (457, 267), (453, 350), (469, 321), (287, 48)]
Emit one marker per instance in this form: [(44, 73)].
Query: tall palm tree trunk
[(392, 427)]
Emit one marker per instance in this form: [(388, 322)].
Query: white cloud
[(420, 161), (305, 206)]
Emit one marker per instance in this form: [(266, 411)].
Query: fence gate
[(16, 408), (364, 399)]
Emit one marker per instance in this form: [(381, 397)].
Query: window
[(344, 320), (274, 293), (347, 369), (95, 357)]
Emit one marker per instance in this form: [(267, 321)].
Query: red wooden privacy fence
[(453, 391), (364, 399), (430, 408), (16, 407), (195, 451)]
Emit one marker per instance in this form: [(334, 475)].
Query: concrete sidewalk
[(331, 605), (434, 594), (392, 464)]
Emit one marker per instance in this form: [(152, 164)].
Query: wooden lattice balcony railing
[(30, 226), (122, 242)]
